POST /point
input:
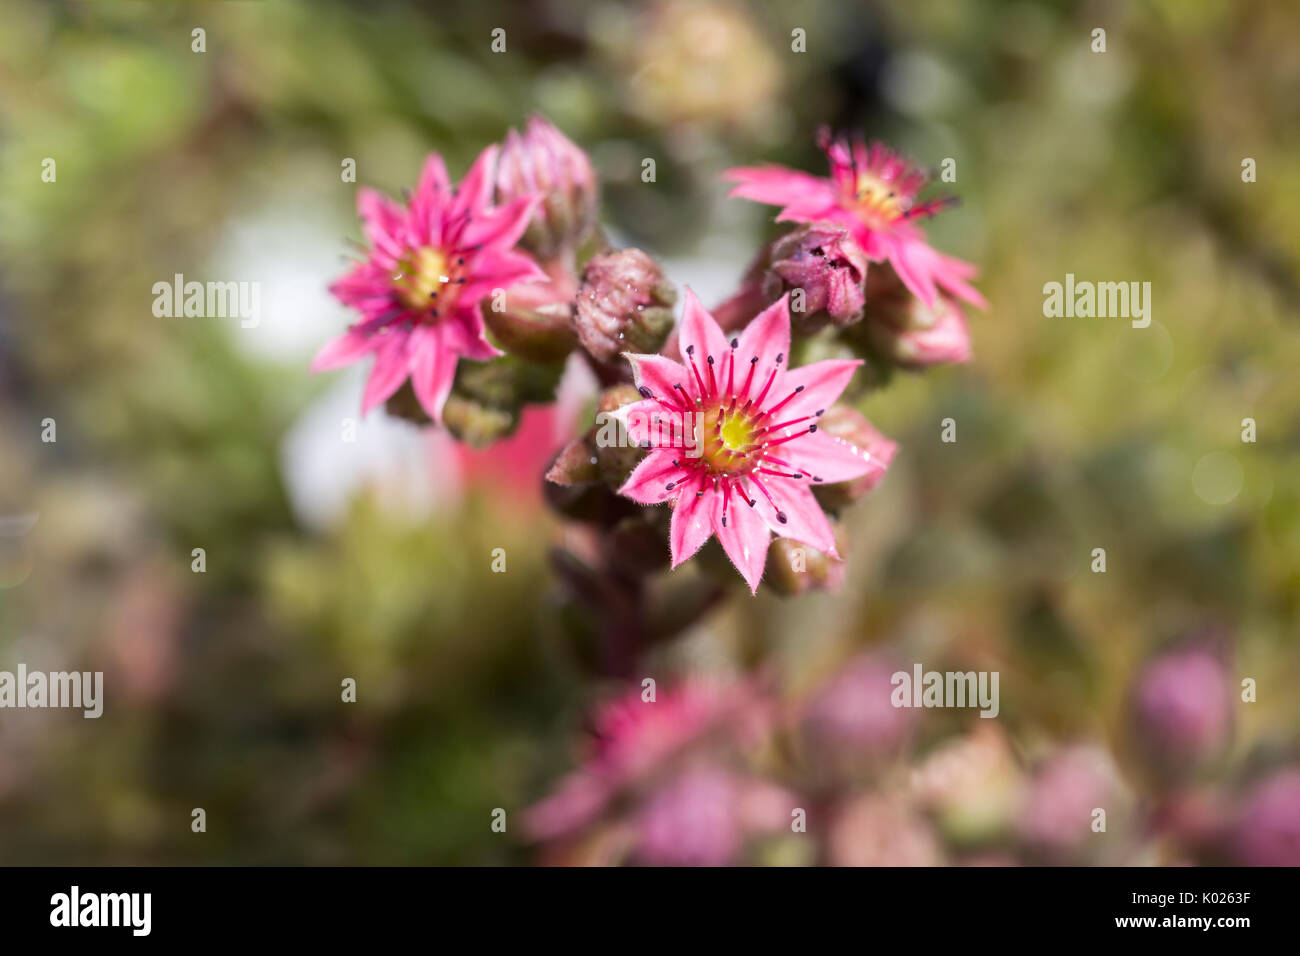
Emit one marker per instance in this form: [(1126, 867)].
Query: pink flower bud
[(847, 424), (534, 320), (624, 305), (906, 330), (1182, 710), (851, 722), (543, 162), (1265, 830), (823, 269)]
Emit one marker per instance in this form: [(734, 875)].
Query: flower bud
[(543, 161), (1182, 710), (824, 271), (624, 305), (881, 829), (536, 321), (1054, 819), (794, 568), (487, 398), (616, 455), (905, 330), (575, 465), (851, 724), (1265, 828), (841, 421)]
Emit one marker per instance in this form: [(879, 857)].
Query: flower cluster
[(478, 296), (727, 773)]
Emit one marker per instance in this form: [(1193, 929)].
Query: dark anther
[(780, 516), (645, 392), (735, 343), (690, 350), (799, 388), (812, 428), (779, 357), (670, 486), (710, 359)]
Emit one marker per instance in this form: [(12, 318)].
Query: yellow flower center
[(728, 437), (426, 281), (877, 204)]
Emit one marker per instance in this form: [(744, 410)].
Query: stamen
[(749, 378), (775, 408), (793, 421), (782, 441), (763, 394)]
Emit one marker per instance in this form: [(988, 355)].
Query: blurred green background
[(371, 559)]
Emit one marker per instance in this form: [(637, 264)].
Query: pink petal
[(465, 334), (579, 797), (698, 329), (648, 483), (745, 537), (391, 365), (805, 520), (692, 523), (475, 191), (381, 220), (636, 417), (499, 271), (832, 459), (429, 202), (822, 382), (501, 226), (433, 368), (951, 274), (344, 350), (911, 268), (660, 375), (766, 336), (777, 185), (809, 210), (365, 283)]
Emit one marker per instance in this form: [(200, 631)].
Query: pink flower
[(703, 816), (733, 438), (851, 721), (873, 191), (1265, 829), (637, 742), (1183, 709), (430, 263)]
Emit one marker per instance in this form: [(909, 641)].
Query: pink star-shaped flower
[(429, 264), (873, 191), (733, 438)]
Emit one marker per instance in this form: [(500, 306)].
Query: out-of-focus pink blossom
[(874, 192), (850, 721), (635, 740), (881, 830), (1265, 828), (1182, 709), (1056, 813)]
